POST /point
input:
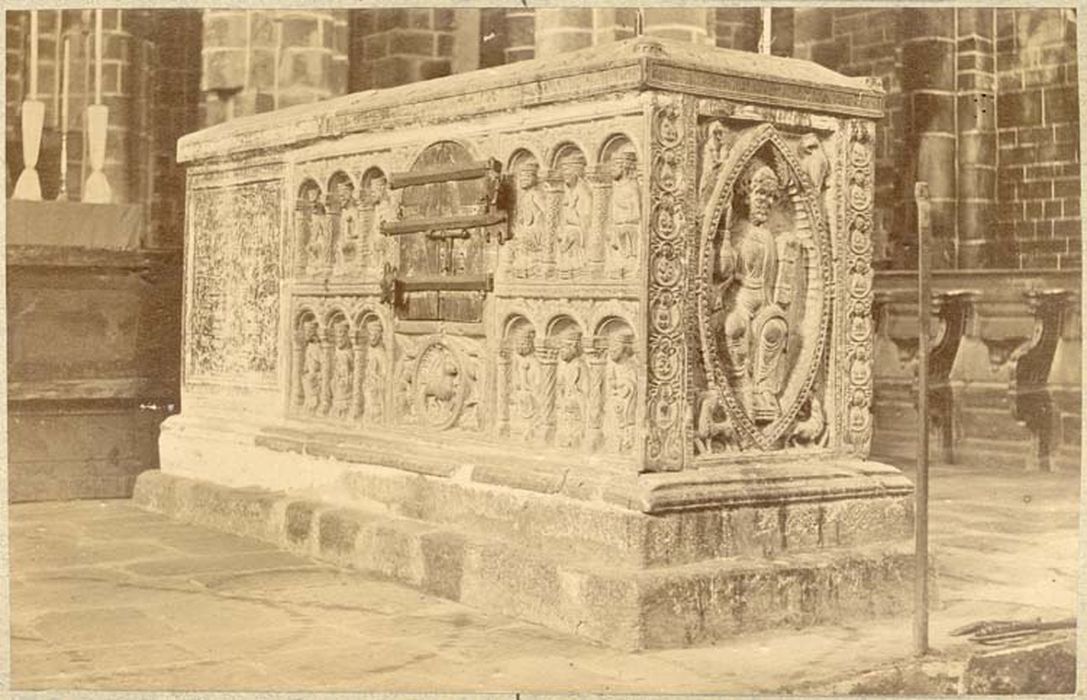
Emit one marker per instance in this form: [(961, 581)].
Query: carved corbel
[(1033, 405), (951, 313)]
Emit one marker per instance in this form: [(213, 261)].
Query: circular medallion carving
[(440, 386)]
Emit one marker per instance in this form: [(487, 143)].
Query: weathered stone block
[(1032, 669)]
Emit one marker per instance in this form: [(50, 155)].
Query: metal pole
[(920, 611)]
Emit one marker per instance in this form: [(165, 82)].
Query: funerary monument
[(583, 340)]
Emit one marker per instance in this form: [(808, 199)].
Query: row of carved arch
[(313, 189), (339, 365), (570, 393)]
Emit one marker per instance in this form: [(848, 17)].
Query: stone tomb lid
[(625, 66)]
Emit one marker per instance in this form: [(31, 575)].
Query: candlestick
[(33, 54), (56, 73), (67, 66), (98, 57), (28, 186)]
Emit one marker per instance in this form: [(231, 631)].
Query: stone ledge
[(618, 605), (629, 65), (571, 517)]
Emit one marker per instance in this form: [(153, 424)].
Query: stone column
[(693, 24), (176, 100), (392, 47), (738, 27), (335, 228), (258, 60), (298, 358), (614, 24), (599, 181), (928, 82), (325, 402), (520, 30), (360, 346), (559, 30), (502, 382), (546, 420), (976, 121), (597, 358)]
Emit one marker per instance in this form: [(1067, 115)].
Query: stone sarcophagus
[(603, 322)]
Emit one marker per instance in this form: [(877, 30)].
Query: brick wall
[(392, 47), (258, 60), (865, 41), (1037, 119)]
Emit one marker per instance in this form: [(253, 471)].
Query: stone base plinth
[(622, 576)]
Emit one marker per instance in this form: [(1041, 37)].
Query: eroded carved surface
[(234, 308)]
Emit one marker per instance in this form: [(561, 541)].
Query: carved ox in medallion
[(764, 302)]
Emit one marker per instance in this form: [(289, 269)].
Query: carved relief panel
[(764, 291), (575, 383), (234, 294)]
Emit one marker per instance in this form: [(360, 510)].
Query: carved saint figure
[(529, 220), (317, 244), (571, 391), (524, 387), (625, 214), (575, 215), (349, 220), (313, 362), (385, 209), (373, 376), (343, 365), (621, 387), (754, 271)]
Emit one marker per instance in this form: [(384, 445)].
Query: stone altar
[(584, 340)]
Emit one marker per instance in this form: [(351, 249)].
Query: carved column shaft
[(597, 398), (547, 419), (359, 374), (553, 190), (297, 368), (503, 384), (327, 352), (599, 226), (301, 236)]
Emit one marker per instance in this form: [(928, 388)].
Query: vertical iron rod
[(924, 229)]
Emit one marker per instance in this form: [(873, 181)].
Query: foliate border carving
[(860, 169), (671, 180)]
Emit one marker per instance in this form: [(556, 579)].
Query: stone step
[(621, 606)]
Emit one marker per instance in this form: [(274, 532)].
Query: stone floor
[(105, 596)]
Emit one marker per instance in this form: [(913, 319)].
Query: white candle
[(57, 64), (33, 54), (66, 84), (98, 57)]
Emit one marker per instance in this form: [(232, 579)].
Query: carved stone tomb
[(592, 335)]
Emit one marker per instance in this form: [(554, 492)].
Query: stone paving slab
[(108, 597)]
